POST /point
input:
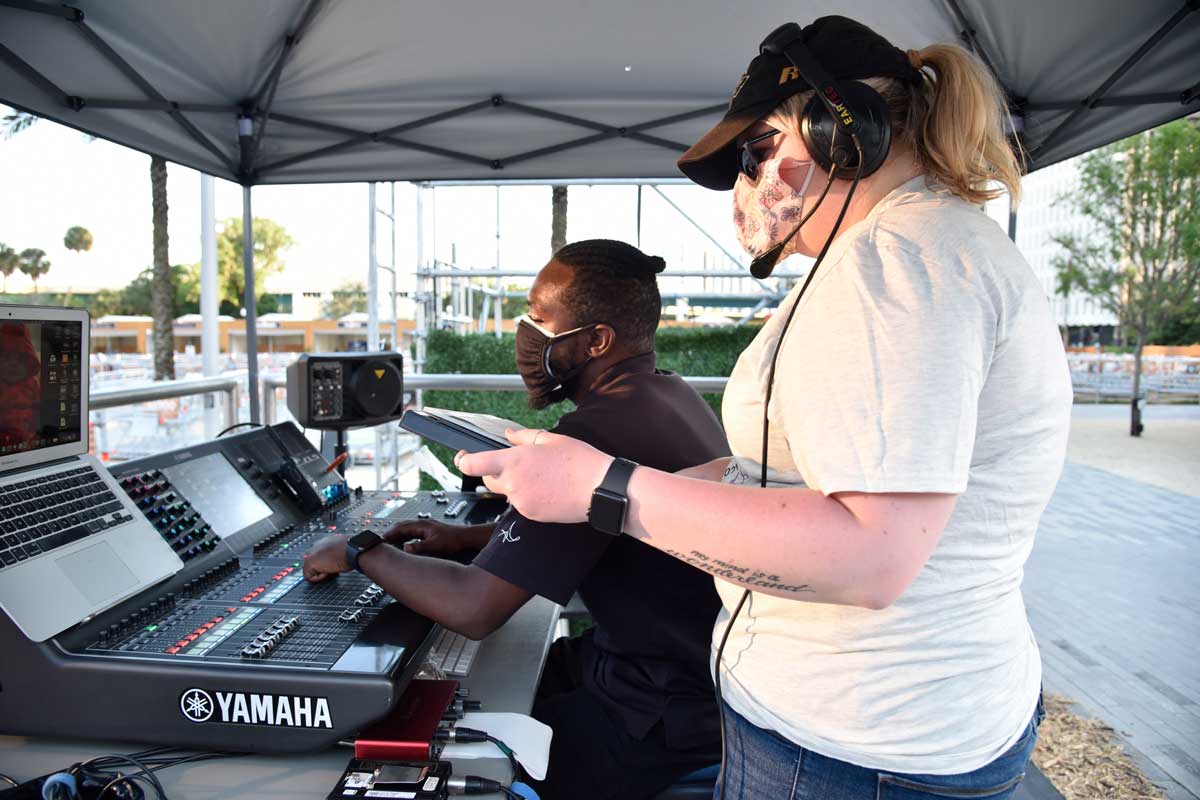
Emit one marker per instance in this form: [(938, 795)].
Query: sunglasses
[(748, 159)]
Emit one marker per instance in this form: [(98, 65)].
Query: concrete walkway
[(1113, 586)]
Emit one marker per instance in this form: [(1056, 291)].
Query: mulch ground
[(1084, 758)]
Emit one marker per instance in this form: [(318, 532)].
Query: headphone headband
[(787, 41)]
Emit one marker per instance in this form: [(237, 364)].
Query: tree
[(9, 261), (135, 299), (17, 121), (78, 239), (33, 262), (164, 344), (558, 218), (162, 291), (350, 298), (270, 242), (1142, 263)]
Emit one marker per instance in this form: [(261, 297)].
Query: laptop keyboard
[(453, 654), (46, 513)]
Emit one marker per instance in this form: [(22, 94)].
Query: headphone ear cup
[(817, 132), (834, 150)]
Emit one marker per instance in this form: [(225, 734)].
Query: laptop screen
[(41, 364)]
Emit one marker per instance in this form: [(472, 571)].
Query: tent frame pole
[(248, 300), (1094, 98)]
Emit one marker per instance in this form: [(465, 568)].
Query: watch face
[(607, 513), (365, 539)]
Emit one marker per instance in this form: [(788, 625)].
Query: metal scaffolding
[(465, 298)]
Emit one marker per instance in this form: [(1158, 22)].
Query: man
[(631, 700)]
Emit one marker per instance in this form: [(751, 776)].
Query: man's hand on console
[(426, 537), (327, 559)]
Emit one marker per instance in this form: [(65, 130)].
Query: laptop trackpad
[(98, 572)]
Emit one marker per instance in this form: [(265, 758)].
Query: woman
[(915, 430)]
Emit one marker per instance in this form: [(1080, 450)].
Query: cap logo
[(788, 74), (737, 89)]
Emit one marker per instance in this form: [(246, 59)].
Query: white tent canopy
[(380, 90), (308, 91)]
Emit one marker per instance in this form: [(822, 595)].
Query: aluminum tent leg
[(251, 309), (209, 302)]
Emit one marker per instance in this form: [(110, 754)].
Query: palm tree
[(164, 339), (162, 290), (8, 264), (558, 218), (78, 239), (33, 262)]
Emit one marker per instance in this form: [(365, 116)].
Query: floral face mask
[(766, 211)]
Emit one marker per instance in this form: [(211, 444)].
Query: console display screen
[(219, 493)]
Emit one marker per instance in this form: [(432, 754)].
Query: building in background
[(1042, 215)]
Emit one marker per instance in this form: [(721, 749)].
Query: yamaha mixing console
[(236, 651)]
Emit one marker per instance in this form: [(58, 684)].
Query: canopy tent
[(306, 91), (377, 90)]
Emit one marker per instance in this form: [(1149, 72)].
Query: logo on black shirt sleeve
[(505, 533)]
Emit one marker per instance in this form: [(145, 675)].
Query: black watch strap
[(359, 544), (610, 501)]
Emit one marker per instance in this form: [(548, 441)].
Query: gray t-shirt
[(923, 359)]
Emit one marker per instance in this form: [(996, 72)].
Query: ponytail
[(952, 120), (956, 126)]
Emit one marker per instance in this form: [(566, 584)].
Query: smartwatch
[(610, 502), (360, 543)]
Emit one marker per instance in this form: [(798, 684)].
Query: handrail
[(168, 390), (488, 383)]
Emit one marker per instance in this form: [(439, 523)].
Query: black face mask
[(545, 384)]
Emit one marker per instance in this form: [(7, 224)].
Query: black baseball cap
[(845, 49)]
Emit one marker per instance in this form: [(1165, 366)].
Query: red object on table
[(407, 733)]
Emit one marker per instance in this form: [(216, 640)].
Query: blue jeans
[(762, 765)]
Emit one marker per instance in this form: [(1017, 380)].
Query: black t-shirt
[(653, 614)]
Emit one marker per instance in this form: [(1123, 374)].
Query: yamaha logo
[(240, 708), (197, 705)]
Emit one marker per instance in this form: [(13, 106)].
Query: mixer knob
[(124, 623), (114, 630), (170, 600), (103, 637)]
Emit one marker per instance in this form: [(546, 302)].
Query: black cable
[(8, 780), (767, 424), (148, 762), (144, 773), (239, 425)]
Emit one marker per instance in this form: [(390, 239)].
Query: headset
[(847, 133), (845, 128)]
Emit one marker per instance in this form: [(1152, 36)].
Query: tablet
[(459, 430)]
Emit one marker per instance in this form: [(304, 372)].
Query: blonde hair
[(953, 121)]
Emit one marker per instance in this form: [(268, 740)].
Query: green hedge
[(689, 351)]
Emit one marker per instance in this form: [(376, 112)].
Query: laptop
[(71, 542)]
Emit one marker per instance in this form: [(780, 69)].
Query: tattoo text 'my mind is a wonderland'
[(752, 578)]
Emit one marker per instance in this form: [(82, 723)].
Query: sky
[(55, 177)]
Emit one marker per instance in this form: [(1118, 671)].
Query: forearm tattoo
[(750, 578)]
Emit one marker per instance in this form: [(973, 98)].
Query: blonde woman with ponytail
[(873, 642)]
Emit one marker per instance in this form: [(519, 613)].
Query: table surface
[(504, 678)]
